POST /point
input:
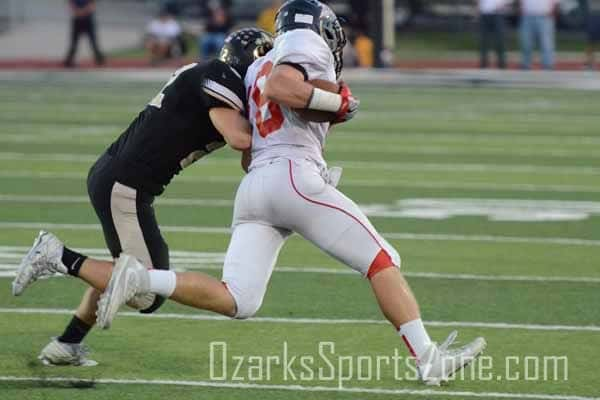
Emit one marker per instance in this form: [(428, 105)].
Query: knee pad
[(142, 301), (155, 305)]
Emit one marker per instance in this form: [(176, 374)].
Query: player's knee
[(247, 302), (386, 258), (147, 303), (247, 307), (156, 304), (395, 256)]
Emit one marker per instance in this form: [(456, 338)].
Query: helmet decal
[(244, 46)]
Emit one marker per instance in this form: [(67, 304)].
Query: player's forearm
[(232, 126)]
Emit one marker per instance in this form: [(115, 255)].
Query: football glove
[(350, 104)]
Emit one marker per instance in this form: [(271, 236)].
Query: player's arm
[(287, 86), (233, 126)]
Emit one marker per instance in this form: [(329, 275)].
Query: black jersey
[(175, 129)]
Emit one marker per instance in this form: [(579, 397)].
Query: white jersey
[(277, 131)]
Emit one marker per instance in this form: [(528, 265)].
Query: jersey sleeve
[(223, 87), (316, 63)]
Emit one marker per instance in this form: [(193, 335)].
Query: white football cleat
[(129, 278), (42, 261), (59, 353), (439, 363)]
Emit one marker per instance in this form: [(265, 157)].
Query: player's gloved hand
[(350, 104)]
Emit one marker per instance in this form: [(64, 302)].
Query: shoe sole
[(46, 362), (18, 287), (107, 306)]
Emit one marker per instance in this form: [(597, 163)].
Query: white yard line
[(516, 210), (97, 227), (350, 164), (318, 321), (519, 187), (43, 199), (106, 133), (8, 271), (389, 235), (299, 388), (461, 150), (435, 167), (460, 138), (16, 156), (407, 183), (10, 256), (592, 206)]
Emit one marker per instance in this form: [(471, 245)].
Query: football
[(315, 115)]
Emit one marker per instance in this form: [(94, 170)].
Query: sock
[(72, 260), (415, 336), (75, 331), (162, 282)]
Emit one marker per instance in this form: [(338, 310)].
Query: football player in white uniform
[(288, 189)]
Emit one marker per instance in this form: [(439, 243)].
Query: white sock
[(162, 282), (415, 336)]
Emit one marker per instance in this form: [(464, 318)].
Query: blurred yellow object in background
[(364, 47)]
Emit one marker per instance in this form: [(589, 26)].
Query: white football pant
[(284, 196)]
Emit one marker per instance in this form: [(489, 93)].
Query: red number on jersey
[(275, 121)]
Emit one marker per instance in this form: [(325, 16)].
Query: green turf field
[(491, 196)]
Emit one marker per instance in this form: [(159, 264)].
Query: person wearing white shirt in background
[(491, 22), (537, 24), (162, 36)]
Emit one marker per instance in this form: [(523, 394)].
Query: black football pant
[(127, 218)]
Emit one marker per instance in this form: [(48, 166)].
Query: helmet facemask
[(324, 22), (333, 34)]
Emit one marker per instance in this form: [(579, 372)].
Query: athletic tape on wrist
[(323, 100)]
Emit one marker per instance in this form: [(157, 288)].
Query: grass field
[(491, 196)]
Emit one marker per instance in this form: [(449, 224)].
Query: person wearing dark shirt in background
[(591, 9), (82, 23), (491, 24), (218, 25)]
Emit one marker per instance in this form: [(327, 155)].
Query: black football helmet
[(318, 17), (244, 46)]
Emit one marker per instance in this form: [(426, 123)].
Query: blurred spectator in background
[(164, 38), (217, 27), (82, 23), (491, 23), (537, 24), (266, 19), (364, 49), (591, 9)]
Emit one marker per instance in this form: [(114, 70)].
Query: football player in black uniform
[(200, 109)]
